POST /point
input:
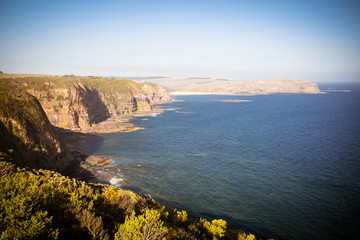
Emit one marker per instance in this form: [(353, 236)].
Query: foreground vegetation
[(42, 204)]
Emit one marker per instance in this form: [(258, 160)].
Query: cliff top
[(45, 82), (17, 104)]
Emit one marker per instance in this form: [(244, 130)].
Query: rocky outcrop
[(26, 133), (155, 93), (76, 108), (77, 103)]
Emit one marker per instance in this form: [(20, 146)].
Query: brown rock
[(80, 104), (26, 133)]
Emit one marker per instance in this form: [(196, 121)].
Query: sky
[(315, 40)]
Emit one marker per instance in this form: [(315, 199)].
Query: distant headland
[(199, 86)]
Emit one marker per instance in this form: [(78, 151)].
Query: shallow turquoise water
[(283, 166)]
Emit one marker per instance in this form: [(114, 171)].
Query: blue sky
[(316, 40)]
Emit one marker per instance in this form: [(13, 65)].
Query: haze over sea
[(282, 166)]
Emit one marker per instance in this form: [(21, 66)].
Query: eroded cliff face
[(78, 104), (74, 108), (155, 93), (26, 133), (275, 86)]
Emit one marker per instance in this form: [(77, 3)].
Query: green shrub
[(59, 98), (217, 228), (49, 96), (242, 236), (145, 226), (182, 216), (21, 208)]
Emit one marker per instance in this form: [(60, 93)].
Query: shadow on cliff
[(85, 143), (30, 150), (81, 146), (93, 105)]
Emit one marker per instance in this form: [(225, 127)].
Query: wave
[(171, 109), (155, 114), (116, 181), (149, 115), (184, 112)]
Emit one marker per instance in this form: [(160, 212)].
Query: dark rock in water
[(79, 156)]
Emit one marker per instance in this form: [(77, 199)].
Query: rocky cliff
[(26, 133), (77, 103)]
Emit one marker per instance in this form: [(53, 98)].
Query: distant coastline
[(209, 86)]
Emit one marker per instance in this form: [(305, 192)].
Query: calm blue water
[(283, 166)]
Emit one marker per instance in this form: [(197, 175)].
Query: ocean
[(283, 166)]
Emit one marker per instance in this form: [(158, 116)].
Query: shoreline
[(99, 169), (122, 123), (119, 123)]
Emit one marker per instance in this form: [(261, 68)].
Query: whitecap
[(150, 115), (116, 181), (155, 114), (171, 109), (184, 112)]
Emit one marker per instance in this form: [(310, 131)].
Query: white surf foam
[(116, 181), (171, 109), (155, 114)]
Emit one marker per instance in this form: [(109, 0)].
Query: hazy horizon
[(243, 40)]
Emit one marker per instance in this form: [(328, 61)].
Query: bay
[(282, 166)]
